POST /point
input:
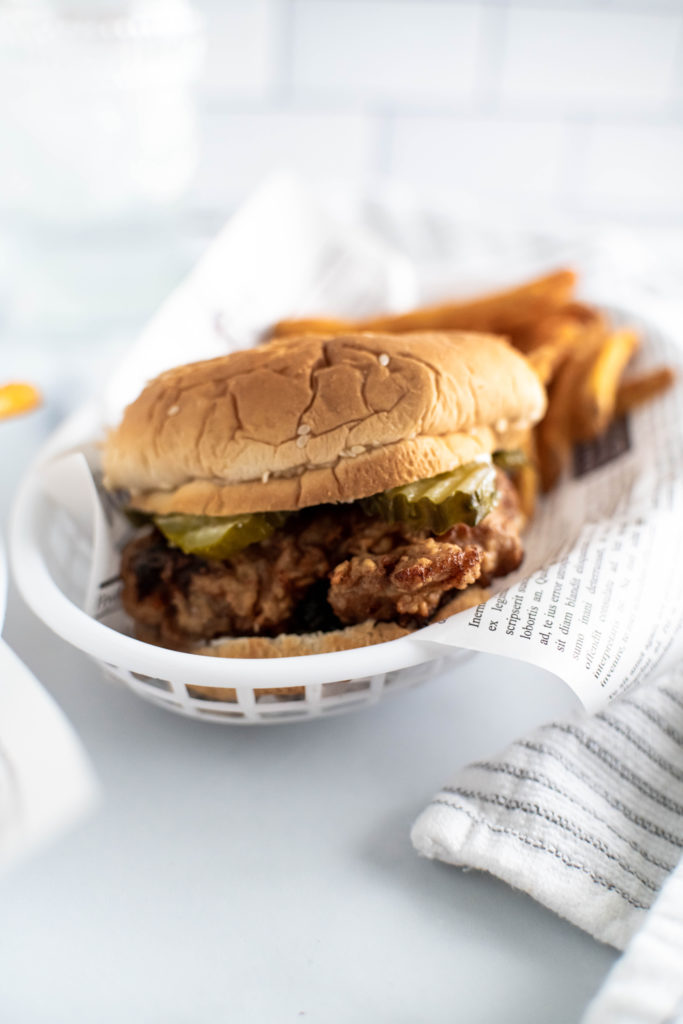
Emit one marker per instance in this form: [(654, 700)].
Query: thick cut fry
[(634, 392), (570, 341), (596, 397), (17, 398), (563, 329), (546, 361), (526, 483), (511, 312), (564, 336), (311, 325), (556, 431), (526, 475), (554, 450)]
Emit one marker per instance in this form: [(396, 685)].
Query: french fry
[(17, 398), (554, 451), (511, 312), (311, 325), (564, 328), (596, 396), (646, 386), (546, 360), (556, 432), (525, 474), (527, 484), (563, 347)]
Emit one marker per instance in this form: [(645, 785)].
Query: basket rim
[(42, 594)]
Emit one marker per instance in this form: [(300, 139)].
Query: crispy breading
[(375, 570)]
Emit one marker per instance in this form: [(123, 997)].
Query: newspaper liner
[(599, 598)]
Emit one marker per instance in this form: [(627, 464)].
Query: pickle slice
[(464, 495), (218, 537), (510, 461)]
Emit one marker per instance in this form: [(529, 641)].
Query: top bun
[(318, 419)]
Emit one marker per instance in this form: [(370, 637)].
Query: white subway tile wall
[(407, 53), (241, 148), (243, 40), (590, 60), (639, 167), (566, 108), (509, 156)]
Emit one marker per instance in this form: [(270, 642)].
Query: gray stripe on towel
[(537, 844), (561, 823)]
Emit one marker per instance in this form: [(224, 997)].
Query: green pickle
[(510, 461), (218, 536), (464, 495)]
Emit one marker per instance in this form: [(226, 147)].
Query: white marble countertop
[(266, 874)]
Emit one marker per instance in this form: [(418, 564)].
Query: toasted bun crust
[(315, 419), (292, 645)]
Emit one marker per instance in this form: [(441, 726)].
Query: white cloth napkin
[(646, 984), (586, 816)]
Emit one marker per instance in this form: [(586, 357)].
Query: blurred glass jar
[(99, 141)]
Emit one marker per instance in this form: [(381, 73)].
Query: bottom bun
[(290, 645)]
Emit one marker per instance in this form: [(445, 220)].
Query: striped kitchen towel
[(585, 815)]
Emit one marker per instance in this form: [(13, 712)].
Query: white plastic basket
[(50, 559)]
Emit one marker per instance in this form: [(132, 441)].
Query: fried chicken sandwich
[(320, 493)]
